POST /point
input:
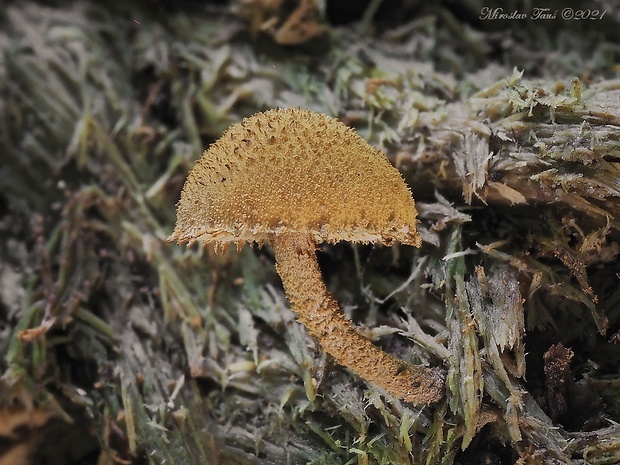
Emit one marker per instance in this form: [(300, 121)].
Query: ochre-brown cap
[(293, 170)]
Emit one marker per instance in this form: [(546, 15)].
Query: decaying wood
[(149, 353)]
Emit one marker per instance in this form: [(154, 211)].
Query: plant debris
[(149, 353)]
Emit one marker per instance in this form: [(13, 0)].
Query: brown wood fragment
[(558, 377)]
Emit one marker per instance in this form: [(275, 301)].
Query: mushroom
[(294, 178)]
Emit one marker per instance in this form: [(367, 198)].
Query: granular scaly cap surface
[(293, 170)]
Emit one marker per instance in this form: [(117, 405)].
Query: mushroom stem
[(299, 270)]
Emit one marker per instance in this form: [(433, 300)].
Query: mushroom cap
[(294, 171)]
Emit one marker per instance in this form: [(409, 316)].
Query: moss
[(165, 353)]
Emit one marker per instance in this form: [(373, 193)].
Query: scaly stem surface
[(323, 318)]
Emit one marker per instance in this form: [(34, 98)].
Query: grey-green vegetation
[(118, 347)]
